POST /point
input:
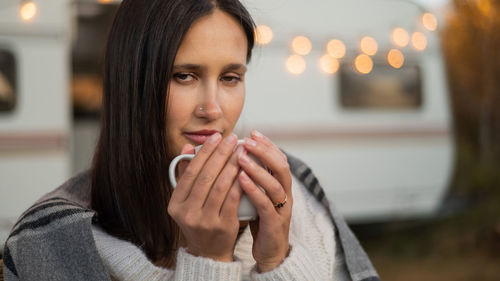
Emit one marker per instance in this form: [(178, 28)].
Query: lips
[(201, 136)]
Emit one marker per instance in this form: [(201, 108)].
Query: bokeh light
[(429, 21), (485, 6), (295, 64), (363, 64), (400, 37), (418, 41), (328, 64), (28, 10), (369, 45), (395, 58), (336, 48), (263, 35), (301, 45), (105, 1)]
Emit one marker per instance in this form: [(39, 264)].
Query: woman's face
[(207, 89)]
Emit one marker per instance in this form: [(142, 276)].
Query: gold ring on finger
[(282, 203)]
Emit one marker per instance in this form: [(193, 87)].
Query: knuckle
[(190, 219), (206, 226), (219, 187), (223, 150), (189, 172), (276, 188), (284, 156), (171, 210), (205, 178), (263, 148), (206, 149), (233, 195), (266, 207), (285, 166)]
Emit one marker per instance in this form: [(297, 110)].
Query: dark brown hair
[(130, 191)]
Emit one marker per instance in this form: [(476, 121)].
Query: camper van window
[(7, 81), (94, 20), (383, 88)]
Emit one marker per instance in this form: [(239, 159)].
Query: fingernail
[(244, 158), (214, 138), (250, 142), (230, 139), (239, 150), (244, 176), (257, 134)]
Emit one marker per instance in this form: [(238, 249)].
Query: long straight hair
[(130, 190)]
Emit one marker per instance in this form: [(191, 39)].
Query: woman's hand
[(271, 230), (205, 202)]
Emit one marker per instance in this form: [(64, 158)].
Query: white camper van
[(378, 137), (377, 133), (35, 105)]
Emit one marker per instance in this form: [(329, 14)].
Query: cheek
[(179, 108), (178, 112), (234, 106)]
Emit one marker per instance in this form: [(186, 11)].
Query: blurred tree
[(471, 42)]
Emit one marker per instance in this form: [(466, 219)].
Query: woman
[(174, 79)]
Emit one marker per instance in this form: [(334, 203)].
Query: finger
[(265, 209), (223, 183), (271, 157), (190, 173), (258, 136), (229, 208), (186, 149), (210, 171), (260, 176)]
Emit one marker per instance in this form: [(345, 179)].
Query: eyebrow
[(189, 66), (229, 67), (235, 66)]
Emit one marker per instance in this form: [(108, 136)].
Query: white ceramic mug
[(246, 210)]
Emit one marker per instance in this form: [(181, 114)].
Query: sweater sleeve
[(314, 251), (194, 268), (125, 261)]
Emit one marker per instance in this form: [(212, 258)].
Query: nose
[(209, 105)]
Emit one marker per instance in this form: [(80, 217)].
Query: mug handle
[(173, 166)]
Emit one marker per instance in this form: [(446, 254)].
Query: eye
[(184, 77), (231, 79)]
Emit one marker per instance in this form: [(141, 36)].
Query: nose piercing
[(201, 108)]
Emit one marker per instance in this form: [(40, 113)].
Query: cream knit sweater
[(313, 254)]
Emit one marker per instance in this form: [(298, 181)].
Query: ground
[(463, 246)]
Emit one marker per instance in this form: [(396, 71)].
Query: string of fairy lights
[(336, 49), (28, 9)]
